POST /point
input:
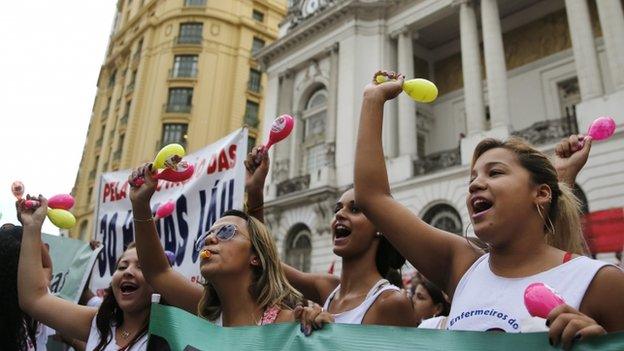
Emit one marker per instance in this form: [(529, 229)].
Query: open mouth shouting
[(128, 288), (480, 206), (341, 233)]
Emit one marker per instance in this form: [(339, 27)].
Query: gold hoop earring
[(378, 234), (547, 224)]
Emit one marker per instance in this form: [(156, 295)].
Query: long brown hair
[(110, 314), (269, 285), (562, 218)]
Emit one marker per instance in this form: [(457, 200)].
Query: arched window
[(299, 248), (84, 233), (314, 117), (444, 217)]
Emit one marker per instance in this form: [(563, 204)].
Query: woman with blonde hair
[(244, 282), (520, 204)]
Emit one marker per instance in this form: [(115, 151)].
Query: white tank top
[(356, 315), (484, 301), (94, 340)]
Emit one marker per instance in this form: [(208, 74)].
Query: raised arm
[(570, 157), (32, 286), (174, 287), (315, 287), (442, 257)]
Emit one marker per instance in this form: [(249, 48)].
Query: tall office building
[(175, 71)]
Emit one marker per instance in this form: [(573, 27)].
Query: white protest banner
[(216, 186)]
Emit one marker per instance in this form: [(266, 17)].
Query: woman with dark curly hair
[(18, 330)]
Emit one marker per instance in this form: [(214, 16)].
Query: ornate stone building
[(540, 69)]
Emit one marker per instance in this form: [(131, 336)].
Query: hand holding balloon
[(169, 158), (58, 208), (540, 299), (419, 89)]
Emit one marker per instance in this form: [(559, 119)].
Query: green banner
[(72, 261), (180, 330)]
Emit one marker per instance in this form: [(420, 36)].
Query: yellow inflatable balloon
[(165, 156), (419, 89), (61, 218)]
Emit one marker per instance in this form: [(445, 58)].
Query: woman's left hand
[(33, 217), (312, 317), (567, 326)]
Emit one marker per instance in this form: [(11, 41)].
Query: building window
[(299, 248), (314, 116), (111, 78), (184, 66), (256, 45), (569, 97), (251, 114), (255, 79), (122, 138), (137, 53), (190, 33), (84, 234), (257, 15), (251, 142), (444, 217), (174, 133), (90, 194), (180, 100), (189, 3)]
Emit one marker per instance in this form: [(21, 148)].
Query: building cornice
[(317, 23)]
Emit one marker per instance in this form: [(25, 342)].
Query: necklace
[(124, 333)]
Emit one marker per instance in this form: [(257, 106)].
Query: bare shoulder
[(603, 298), (392, 307)]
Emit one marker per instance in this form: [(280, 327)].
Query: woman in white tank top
[(121, 321), (361, 295), (517, 206)]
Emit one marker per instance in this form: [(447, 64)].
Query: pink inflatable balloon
[(540, 299), (602, 128), (183, 172), (280, 129), (17, 188), (165, 209), (61, 201)]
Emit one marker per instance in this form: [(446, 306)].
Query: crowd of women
[(521, 209)]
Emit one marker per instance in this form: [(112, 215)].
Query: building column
[(283, 160), (612, 24), (332, 91), (471, 67), (407, 107), (495, 67), (585, 56)]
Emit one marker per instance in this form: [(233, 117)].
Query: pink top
[(270, 315)]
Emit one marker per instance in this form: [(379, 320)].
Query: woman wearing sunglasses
[(361, 295), (245, 285)]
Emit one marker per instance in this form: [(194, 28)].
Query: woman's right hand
[(387, 90), (32, 217), (312, 317), (141, 195)]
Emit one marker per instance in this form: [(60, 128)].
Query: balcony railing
[(182, 73), (437, 161), (124, 119), (92, 175), (105, 112), (294, 184), (117, 155), (130, 88), (548, 131), (188, 40), (98, 143), (173, 108)]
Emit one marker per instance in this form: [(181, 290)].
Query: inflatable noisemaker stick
[(280, 129), (169, 158), (602, 128), (419, 89), (540, 299), (17, 188), (164, 210), (58, 210)]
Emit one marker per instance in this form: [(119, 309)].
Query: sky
[(51, 57)]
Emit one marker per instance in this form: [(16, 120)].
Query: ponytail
[(564, 214)]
